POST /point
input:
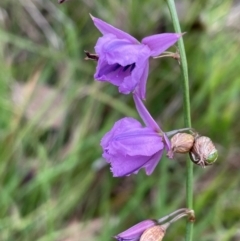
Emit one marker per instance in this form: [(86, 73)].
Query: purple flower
[(134, 233), (123, 61), (129, 146)]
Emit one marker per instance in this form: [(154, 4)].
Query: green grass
[(48, 183)]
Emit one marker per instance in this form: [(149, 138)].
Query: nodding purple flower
[(154, 229), (123, 60), (134, 233), (129, 146)]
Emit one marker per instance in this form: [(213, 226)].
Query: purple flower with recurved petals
[(129, 146), (123, 60), (134, 233)]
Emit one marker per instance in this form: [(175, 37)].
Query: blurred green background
[(54, 184)]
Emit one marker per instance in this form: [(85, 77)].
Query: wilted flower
[(182, 142), (155, 233), (129, 146), (203, 152), (123, 60)]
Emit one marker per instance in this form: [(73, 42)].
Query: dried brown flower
[(182, 142)]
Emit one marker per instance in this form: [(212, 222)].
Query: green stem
[(186, 109)]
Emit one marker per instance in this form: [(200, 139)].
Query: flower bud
[(134, 233), (182, 142), (203, 152), (154, 230), (154, 233)]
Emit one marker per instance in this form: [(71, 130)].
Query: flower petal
[(160, 42), (131, 140), (151, 165), (122, 165), (121, 126), (143, 112), (128, 84), (135, 231), (143, 82), (119, 51), (106, 28), (115, 73), (128, 147), (144, 142), (121, 62), (132, 82), (167, 142)]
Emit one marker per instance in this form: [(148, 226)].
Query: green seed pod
[(203, 152)]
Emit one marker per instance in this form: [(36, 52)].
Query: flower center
[(117, 70), (123, 69)]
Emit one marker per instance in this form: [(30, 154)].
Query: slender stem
[(174, 132), (186, 109), (177, 212)]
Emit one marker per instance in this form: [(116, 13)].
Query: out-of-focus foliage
[(54, 184)]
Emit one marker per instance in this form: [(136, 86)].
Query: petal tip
[(170, 154), (91, 16), (179, 35)]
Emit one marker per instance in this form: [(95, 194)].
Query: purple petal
[(167, 142), (128, 84), (143, 112), (106, 28), (132, 82), (115, 73), (151, 165), (136, 231), (131, 141), (121, 63), (102, 42), (128, 147), (120, 51), (138, 74), (160, 42), (122, 165), (142, 141), (121, 126), (143, 82)]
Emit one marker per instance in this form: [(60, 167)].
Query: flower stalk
[(187, 113)]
